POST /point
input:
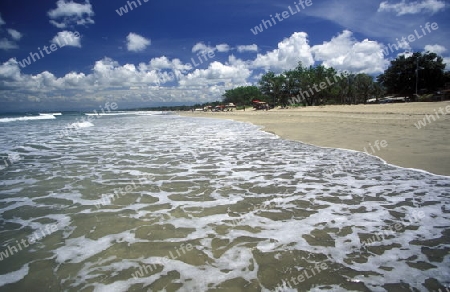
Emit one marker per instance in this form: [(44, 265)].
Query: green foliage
[(275, 87), (242, 95), (401, 75), (310, 81), (318, 85), (357, 89)]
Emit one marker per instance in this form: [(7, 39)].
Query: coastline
[(359, 127)]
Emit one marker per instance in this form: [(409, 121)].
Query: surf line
[(73, 127), (348, 162)]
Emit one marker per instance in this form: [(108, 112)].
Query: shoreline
[(359, 127)]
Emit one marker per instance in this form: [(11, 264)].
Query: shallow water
[(138, 202)]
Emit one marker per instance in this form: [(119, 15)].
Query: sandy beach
[(359, 127)]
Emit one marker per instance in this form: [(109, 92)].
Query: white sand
[(358, 126)]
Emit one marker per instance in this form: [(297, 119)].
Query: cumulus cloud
[(289, 52), (68, 13), (160, 63), (247, 48), (10, 71), (438, 49), (126, 82), (223, 48), (137, 43), (164, 79), (402, 8), (6, 44), (67, 38), (14, 34), (342, 52), (216, 73), (201, 48), (163, 63), (345, 53), (447, 63)]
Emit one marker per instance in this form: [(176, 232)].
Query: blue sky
[(81, 54)]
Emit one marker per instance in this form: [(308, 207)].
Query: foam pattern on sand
[(131, 193)]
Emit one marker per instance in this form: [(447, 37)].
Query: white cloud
[(203, 49), (14, 34), (344, 53), (247, 48), (438, 49), (74, 79), (10, 70), (6, 44), (137, 43), (447, 63), (109, 78), (69, 13), (164, 79), (405, 54), (223, 48), (215, 73), (361, 16), (290, 51), (402, 8), (232, 60), (164, 63), (67, 38), (210, 83), (160, 63)]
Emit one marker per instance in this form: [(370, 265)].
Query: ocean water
[(156, 202)]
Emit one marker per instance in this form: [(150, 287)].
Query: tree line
[(318, 85)]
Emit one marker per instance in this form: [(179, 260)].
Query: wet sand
[(358, 127)]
